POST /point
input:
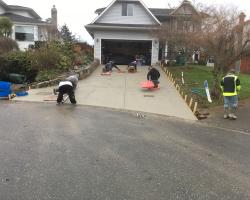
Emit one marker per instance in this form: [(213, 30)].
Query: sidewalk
[(242, 123), (122, 91)]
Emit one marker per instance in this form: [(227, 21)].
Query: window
[(127, 9), (24, 33)]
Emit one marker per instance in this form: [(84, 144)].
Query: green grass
[(245, 86), (195, 75)]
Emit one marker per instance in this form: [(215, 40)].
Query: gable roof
[(10, 8), (104, 10), (184, 3), (3, 4), (22, 19), (21, 8)]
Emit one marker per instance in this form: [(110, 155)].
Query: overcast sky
[(77, 13)]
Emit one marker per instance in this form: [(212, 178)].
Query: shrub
[(17, 62), (45, 58), (46, 75), (54, 55), (7, 45)]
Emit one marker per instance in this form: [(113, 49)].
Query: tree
[(66, 35), (220, 35), (5, 27)]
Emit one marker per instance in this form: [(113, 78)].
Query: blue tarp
[(5, 89)]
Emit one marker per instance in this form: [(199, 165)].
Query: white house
[(28, 26), (124, 29)]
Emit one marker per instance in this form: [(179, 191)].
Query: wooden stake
[(191, 102), (185, 98), (195, 107)]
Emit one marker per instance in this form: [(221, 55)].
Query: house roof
[(19, 18), (139, 1), (184, 3), (3, 4), (10, 8), (30, 10)]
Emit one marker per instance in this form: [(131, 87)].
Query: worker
[(153, 75), (132, 67), (230, 86), (66, 87), (109, 66), (73, 79)]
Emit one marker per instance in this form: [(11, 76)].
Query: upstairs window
[(24, 33), (127, 9)]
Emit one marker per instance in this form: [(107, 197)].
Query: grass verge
[(194, 77)]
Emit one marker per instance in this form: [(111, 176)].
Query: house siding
[(2, 10), (120, 35), (245, 64), (114, 15)]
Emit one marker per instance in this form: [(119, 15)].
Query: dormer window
[(127, 9)]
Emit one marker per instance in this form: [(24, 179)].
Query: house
[(245, 59), (28, 26), (125, 29)]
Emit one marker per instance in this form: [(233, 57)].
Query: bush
[(46, 75), (45, 58), (19, 63), (52, 56), (7, 45)]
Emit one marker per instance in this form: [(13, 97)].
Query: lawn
[(195, 75)]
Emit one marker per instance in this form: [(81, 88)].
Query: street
[(83, 152)]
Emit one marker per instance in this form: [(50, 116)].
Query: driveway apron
[(122, 91)]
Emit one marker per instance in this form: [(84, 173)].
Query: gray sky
[(77, 13)]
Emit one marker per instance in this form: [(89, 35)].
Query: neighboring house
[(28, 26), (245, 60), (124, 30)]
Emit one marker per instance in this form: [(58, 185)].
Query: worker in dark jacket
[(132, 67), (153, 75), (109, 66), (230, 86)]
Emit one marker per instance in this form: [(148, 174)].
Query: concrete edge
[(161, 116)]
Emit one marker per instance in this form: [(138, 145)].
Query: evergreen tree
[(66, 35)]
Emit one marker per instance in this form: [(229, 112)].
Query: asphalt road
[(79, 152)]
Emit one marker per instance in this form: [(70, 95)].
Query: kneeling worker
[(66, 87), (153, 75), (132, 67), (109, 66), (74, 80)]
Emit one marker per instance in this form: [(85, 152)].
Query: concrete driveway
[(122, 91)]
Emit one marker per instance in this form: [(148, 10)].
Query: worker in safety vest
[(230, 86)]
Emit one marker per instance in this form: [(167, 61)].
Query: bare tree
[(218, 32)]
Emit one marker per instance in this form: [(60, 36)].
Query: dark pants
[(155, 82), (66, 89)]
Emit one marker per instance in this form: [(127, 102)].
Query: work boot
[(225, 116), (232, 116), (225, 113)]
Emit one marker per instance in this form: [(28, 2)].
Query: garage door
[(123, 52)]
